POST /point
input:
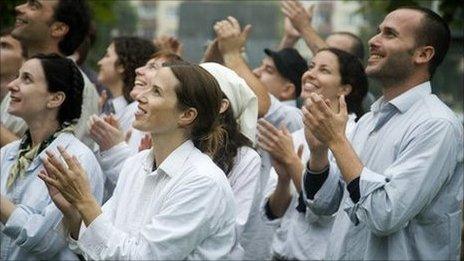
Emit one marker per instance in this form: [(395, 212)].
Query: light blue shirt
[(280, 113), (34, 229), (410, 187)]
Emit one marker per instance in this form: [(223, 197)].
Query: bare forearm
[(347, 160), (312, 39), (295, 169), (287, 42), (6, 209), (6, 136), (72, 221), (89, 210), (281, 198), (236, 63), (318, 161)]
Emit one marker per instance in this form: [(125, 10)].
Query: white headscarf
[(242, 99)]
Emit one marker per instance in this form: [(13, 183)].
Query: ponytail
[(211, 142)]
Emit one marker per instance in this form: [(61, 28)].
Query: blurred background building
[(192, 22)]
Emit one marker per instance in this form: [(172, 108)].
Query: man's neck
[(393, 88), (42, 48)]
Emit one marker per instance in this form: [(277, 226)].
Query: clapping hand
[(231, 39)]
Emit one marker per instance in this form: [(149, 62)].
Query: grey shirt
[(410, 186)]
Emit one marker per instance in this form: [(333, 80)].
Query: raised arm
[(300, 19), (231, 39)]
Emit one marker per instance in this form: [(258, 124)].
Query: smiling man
[(57, 26), (403, 164)]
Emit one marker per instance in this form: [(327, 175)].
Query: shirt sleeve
[(280, 114), (314, 181), (245, 185), (328, 197), (36, 232), (187, 218), (112, 160), (389, 200)]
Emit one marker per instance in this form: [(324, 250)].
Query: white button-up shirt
[(182, 210), (33, 231), (411, 194)]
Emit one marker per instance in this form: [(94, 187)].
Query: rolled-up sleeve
[(327, 199), (36, 231), (389, 200)]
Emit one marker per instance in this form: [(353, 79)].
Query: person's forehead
[(326, 58), (48, 5), (164, 78), (269, 61), (403, 20), (34, 67)]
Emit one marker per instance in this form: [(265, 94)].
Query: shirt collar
[(406, 100), (289, 103), (173, 164)]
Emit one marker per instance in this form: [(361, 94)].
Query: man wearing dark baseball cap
[(281, 73)]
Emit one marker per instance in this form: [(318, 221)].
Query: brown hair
[(200, 90), (132, 52)]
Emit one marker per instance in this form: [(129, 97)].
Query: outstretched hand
[(297, 15), (169, 43), (69, 182), (72, 183), (231, 39), (327, 125), (105, 131)]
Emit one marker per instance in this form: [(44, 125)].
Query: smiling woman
[(170, 202), (47, 95)]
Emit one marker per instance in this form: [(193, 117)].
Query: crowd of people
[(154, 157)]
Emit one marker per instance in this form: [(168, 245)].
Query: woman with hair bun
[(47, 95), (170, 202)]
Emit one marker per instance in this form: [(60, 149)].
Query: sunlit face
[(271, 78), (146, 74), (109, 71), (391, 50), (33, 20), (323, 77), (158, 110), (29, 93)]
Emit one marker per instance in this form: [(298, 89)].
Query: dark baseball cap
[(290, 65)]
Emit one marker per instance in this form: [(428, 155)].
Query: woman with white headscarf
[(236, 157)]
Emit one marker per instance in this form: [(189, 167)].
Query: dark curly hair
[(76, 15), (62, 75), (352, 73), (133, 52)]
